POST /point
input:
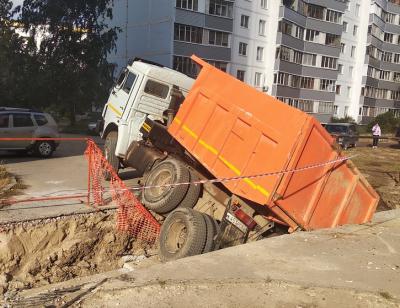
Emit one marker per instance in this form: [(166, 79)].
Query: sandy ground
[(351, 266), (52, 250), (381, 167)]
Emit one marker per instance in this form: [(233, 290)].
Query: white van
[(142, 90)]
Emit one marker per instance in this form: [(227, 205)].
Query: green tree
[(62, 60), (387, 121)]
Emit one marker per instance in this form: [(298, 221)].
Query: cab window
[(156, 89), (121, 78), (130, 80), (22, 120), (4, 120)]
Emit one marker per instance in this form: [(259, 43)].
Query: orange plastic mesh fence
[(132, 216)]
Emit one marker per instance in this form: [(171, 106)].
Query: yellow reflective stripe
[(146, 127), (119, 113), (189, 131), (208, 147), (213, 150), (229, 165)]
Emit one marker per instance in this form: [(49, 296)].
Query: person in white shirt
[(376, 133)]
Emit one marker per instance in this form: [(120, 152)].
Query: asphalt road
[(63, 174)]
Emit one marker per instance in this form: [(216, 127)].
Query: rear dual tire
[(185, 233)]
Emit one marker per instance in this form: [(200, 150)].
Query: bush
[(386, 121), (346, 119)]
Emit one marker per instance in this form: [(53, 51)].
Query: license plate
[(236, 222)]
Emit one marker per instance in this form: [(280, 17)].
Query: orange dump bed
[(235, 130)]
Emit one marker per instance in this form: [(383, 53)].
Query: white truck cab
[(142, 90)]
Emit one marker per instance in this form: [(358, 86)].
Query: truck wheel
[(183, 234), (44, 149), (212, 231), (193, 193), (164, 199), (109, 152)]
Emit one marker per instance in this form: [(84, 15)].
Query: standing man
[(376, 133)]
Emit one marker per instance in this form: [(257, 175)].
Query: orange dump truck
[(225, 129)]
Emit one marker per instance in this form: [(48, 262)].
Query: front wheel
[(109, 152), (44, 149)]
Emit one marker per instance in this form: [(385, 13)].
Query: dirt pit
[(37, 253)]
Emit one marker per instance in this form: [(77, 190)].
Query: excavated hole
[(37, 253)]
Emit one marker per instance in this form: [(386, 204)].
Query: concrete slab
[(352, 266)]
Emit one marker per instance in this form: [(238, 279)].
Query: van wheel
[(212, 231), (183, 234), (44, 149), (109, 152), (162, 198), (193, 193)]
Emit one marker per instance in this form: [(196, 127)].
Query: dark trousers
[(375, 141)]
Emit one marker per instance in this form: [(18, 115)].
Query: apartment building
[(169, 32), (326, 57)]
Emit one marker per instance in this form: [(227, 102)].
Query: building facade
[(329, 58)]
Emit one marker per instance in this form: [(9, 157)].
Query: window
[(333, 16), (260, 54), (221, 8), (185, 65), (307, 83), (327, 85), (261, 27), (338, 89), (258, 79), (218, 38), (346, 110), (340, 68), (263, 4), (121, 78), (396, 77), (325, 107), (223, 66), (348, 92), (244, 21), (4, 120), (188, 33), (130, 80), (351, 71), (242, 49), (187, 4), (357, 12), (309, 59), (387, 56), (345, 24), (332, 39), (22, 120), (329, 62), (240, 75), (342, 48), (335, 109), (315, 11), (397, 58), (40, 119), (312, 35), (388, 37), (353, 51), (355, 30), (156, 89)]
